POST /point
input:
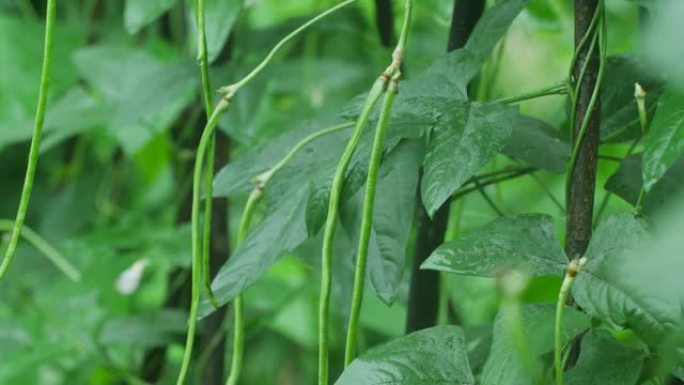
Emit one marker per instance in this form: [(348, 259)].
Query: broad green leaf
[(627, 181), (665, 142), (280, 231), (492, 27), (355, 177), (619, 112), (147, 95), (236, 177), (525, 242), (538, 144), (605, 290), (140, 13), (504, 366), (145, 330), (153, 106), (605, 361), (73, 114), (463, 141), (392, 219), (432, 356), (21, 56), (424, 99), (221, 16)]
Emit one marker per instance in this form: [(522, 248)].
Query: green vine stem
[(196, 241), (371, 185), (205, 144), (367, 220), (331, 223), (570, 274), (235, 87), (254, 198), (51, 13), (44, 247), (238, 303), (559, 89), (203, 60)]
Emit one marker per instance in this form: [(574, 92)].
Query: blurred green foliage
[(123, 117)]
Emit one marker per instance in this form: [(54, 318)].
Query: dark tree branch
[(465, 15), (424, 290), (580, 192), (384, 19)]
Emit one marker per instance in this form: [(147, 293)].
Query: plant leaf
[(604, 291), (140, 13), (431, 356), (538, 144), (464, 140), (145, 330), (280, 231), (619, 113), (665, 142), (220, 17), (627, 180), (525, 242), (236, 177), (504, 367), (605, 361), (492, 27)]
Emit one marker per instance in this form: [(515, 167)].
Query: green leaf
[(504, 366), (605, 361), (627, 181), (492, 27), (140, 13), (21, 56), (220, 16), (236, 177), (280, 231), (605, 291), (431, 356), (463, 141), (538, 144), (153, 106), (424, 99), (145, 330), (392, 219), (619, 112), (665, 142), (147, 95), (526, 242)]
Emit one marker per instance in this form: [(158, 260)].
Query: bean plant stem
[(51, 12), (570, 274), (237, 86), (44, 247), (204, 145), (367, 221), (196, 241), (553, 90), (203, 60), (371, 186), (200, 249), (331, 223), (238, 303)]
